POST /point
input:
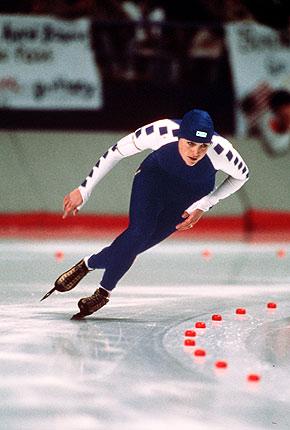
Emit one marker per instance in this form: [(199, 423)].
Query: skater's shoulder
[(159, 128), (225, 157), (156, 134), (219, 146), (217, 139)]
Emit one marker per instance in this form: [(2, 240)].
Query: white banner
[(47, 63), (260, 63)]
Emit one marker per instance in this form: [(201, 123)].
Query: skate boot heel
[(91, 304)]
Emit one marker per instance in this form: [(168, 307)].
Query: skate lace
[(72, 276)]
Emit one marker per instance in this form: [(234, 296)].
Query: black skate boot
[(91, 304), (69, 279)]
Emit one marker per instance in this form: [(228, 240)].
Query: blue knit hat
[(196, 126)]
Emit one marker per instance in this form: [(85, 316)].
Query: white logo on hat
[(201, 133)]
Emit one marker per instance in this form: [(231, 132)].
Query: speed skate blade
[(48, 294), (79, 316)]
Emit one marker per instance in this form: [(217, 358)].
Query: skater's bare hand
[(190, 219), (71, 202)]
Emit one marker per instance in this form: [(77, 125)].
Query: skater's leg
[(165, 225), (165, 228), (145, 206)]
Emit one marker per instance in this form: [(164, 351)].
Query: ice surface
[(126, 366)]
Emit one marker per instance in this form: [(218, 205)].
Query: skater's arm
[(228, 187), (227, 159), (75, 200), (99, 170), (125, 147), (150, 136)]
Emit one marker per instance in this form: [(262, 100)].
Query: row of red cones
[(219, 364)]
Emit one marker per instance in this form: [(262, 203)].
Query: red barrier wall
[(253, 225)]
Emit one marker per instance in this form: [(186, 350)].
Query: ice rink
[(127, 366)]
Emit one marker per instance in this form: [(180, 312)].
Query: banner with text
[(260, 65), (47, 63)]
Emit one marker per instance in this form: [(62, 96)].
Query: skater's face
[(192, 152)]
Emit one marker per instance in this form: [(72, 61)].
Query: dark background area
[(175, 65), (129, 104)]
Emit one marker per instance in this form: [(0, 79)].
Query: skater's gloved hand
[(190, 219), (71, 202)]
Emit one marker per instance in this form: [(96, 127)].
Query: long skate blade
[(48, 294)]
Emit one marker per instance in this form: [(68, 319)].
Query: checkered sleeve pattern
[(226, 159), (105, 163), (150, 136), (154, 135)]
